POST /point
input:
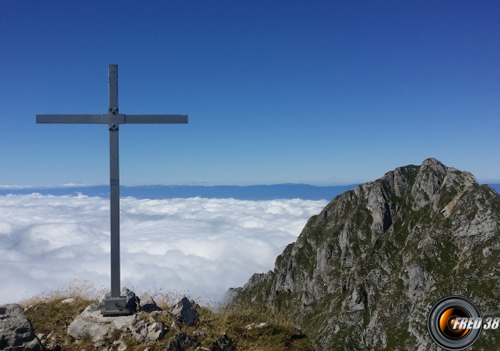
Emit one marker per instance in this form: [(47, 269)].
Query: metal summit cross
[(116, 304)]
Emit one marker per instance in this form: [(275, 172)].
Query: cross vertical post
[(115, 305), (114, 182)]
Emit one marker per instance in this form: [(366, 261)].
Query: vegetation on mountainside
[(365, 272)]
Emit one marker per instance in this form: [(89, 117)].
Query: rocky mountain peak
[(365, 272)]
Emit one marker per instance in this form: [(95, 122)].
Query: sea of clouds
[(195, 246)]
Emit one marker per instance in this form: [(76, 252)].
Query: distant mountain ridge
[(251, 192), (157, 192), (365, 272)]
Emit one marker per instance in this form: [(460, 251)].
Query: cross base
[(115, 306)]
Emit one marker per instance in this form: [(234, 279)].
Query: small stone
[(156, 331), (69, 301), (223, 343), (260, 325), (181, 342)]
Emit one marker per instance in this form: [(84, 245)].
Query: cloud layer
[(196, 246)]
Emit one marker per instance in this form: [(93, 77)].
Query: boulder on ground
[(147, 303), (16, 331), (184, 311)]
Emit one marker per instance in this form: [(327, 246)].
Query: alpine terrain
[(366, 271)]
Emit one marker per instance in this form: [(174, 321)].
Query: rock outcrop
[(16, 331), (365, 272), (91, 323), (102, 330)]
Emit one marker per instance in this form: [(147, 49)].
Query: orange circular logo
[(448, 321)]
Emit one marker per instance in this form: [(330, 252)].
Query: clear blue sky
[(318, 92)]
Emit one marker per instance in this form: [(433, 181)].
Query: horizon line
[(83, 185)]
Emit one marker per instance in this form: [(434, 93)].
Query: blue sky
[(314, 92)]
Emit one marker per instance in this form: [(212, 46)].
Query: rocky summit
[(366, 271)]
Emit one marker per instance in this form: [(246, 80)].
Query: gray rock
[(223, 343), (140, 331), (156, 331), (181, 342), (131, 303), (92, 323), (16, 331), (184, 311), (147, 304), (378, 257)]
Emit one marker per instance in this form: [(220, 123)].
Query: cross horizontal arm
[(101, 119), (111, 119), (163, 119)]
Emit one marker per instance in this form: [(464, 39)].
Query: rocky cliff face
[(365, 272)]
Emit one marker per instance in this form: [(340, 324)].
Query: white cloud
[(198, 246)]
